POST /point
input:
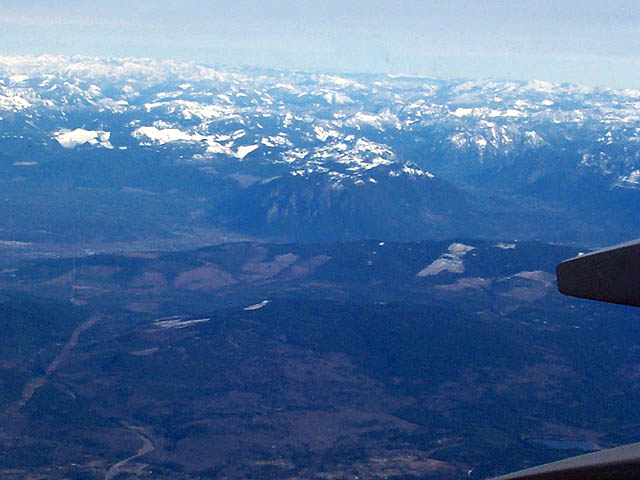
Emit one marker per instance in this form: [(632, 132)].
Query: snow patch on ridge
[(245, 150), (257, 306), (161, 136), (416, 172), (448, 262), (11, 100), (166, 135), (79, 136), (337, 98), (178, 322), (18, 78), (631, 180)]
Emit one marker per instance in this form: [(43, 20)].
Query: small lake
[(560, 444)]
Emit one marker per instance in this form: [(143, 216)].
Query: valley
[(108, 155), (449, 359), (239, 272)]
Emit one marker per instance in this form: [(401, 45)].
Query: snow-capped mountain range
[(271, 135)]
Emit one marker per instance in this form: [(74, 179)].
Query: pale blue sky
[(584, 41)]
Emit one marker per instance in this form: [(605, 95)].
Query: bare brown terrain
[(284, 361)]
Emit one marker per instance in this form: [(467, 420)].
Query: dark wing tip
[(608, 275), (621, 463)]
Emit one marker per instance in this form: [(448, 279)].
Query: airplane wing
[(608, 275), (612, 464)]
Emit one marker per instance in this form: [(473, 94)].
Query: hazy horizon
[(590, 44)]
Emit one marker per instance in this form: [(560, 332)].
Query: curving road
[(147, 447)]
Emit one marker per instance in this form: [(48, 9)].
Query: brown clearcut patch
[(99, 270), (142, 307), (151, 255), (208, 277), (538, 276), (307, 267), (474, 283), (401, 463), (151, 280), (65, 279), (528, 294), (261, 270)]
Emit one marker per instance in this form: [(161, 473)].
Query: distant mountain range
[(100, 150), (372, 300)]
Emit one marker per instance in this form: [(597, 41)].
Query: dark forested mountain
[(168, 150)]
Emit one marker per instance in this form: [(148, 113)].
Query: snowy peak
[(342, 124), (247, 128)]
